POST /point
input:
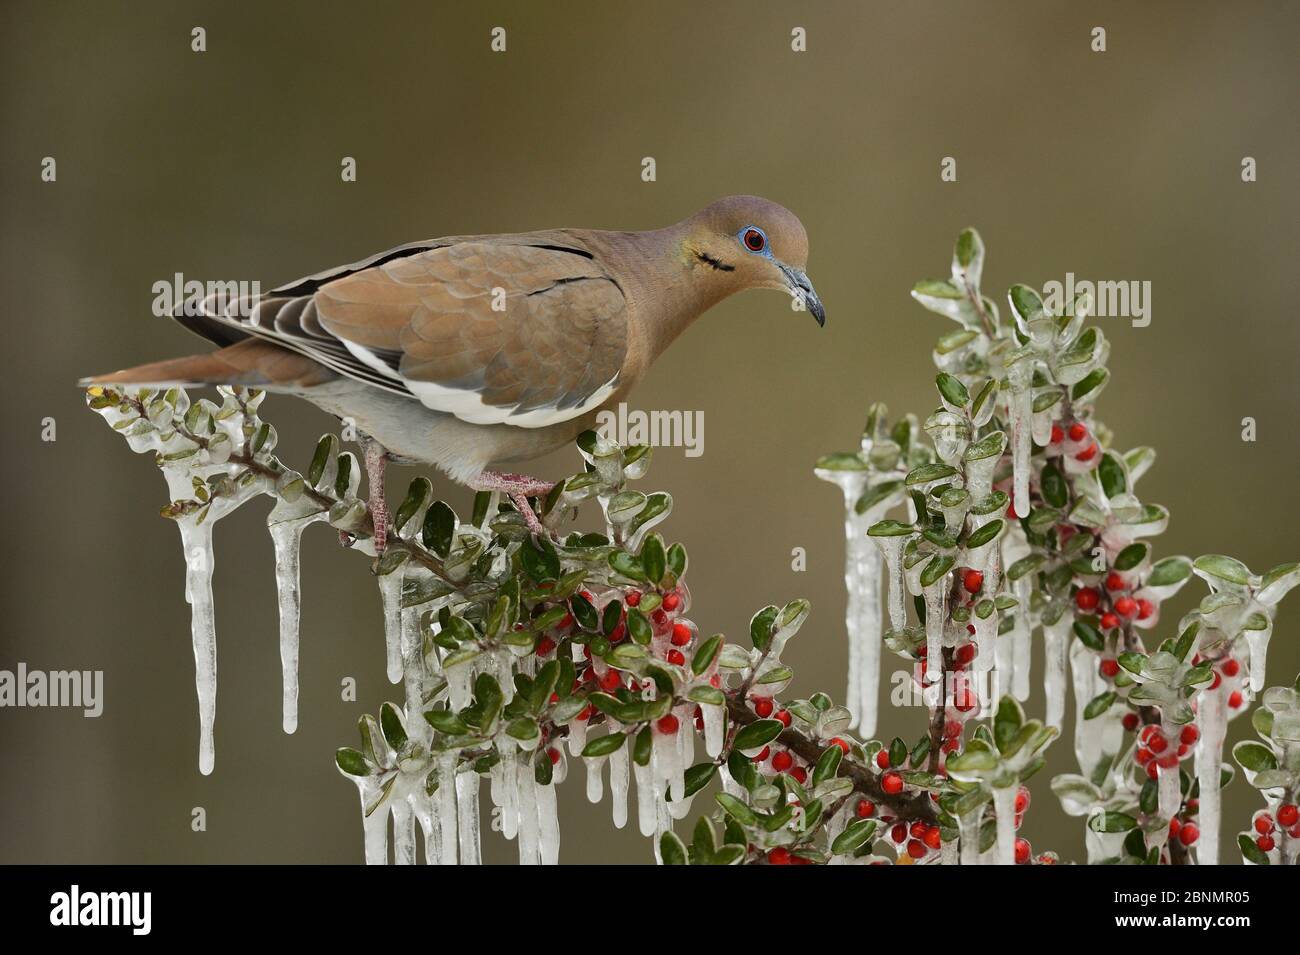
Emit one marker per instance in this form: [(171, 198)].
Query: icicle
[(1055, 646), (412, 646), (1169, 793), (390, 591), (548, 824), (1101, 736), (1212, 720), (1020, 408), (1004, 805), (467, 785), (403, 833), (445, 798), (460, 679), (714, 725), (1257, 641), (646, 798), (1020, 636), (936, 598), (286, 536), (577, 736), (595, 781), (618, 785), (892, 549), (529, 845), (969, 827), (196, 539), (375, 825)]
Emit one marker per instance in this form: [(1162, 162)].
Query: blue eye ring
[(753, 239)]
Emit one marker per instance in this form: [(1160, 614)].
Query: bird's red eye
[(755, 240)]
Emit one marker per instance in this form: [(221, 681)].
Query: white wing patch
[(468, 405)]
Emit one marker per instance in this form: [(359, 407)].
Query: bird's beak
[(802, 289)]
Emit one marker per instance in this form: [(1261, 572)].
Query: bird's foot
[(518, 487), (376, 455)]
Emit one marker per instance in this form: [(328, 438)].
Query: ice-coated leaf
[(1223, 568)]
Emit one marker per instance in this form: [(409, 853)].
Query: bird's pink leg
[(376, 456), (518, 487)]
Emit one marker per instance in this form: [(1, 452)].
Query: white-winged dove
[(472, 350)]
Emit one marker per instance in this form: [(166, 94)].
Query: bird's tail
[(252, 363)]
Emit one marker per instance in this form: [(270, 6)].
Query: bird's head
[(753, 243)]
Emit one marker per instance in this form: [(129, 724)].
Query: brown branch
[(917, 806)]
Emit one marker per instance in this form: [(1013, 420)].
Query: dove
[(476, 351)]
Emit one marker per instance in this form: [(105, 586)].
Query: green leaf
[(1108, 821), (952, 390), (757, 734), (1132, 555), (737, 809), (828, 764), (445, 721), (1254, 756), (707, 694), (928, 473), (1055, 491), (1091, 383), (351, 762), (1224, 568), (985, 534), (698, 776), (705, 655), (1111, 473), (937, 568), (890, 529), (854, 836), (1251, 851), (1007, 722), (604, 745), (439, 528), (672, 850), (760, 627), (1098, 705), (390, 721), (654, 559)]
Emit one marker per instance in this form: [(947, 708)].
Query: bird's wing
[(491, 332)]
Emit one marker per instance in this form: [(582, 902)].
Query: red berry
[(1130, 721), (675, 658), (782, 761), (882, 759), (1023, 851), (1288, 814), (779, 856), (1264, 824), (1022, 799), (609, 682), (554, 754), (1189, 833), (1109, 621), (667, 724), (800, 775), (545, 646), (659, 619), (671, 601), (1057, 434), (618, 633), (898, 833), (951, 729), (1126, 606), (1153, 771), (892, 783), (843, 744), (633, 598), (1143, 756), (933, 837), (1078, 431), (587, 713), (681, 635), (1214, 684), (1190, 734), (1157, 743), (1174, 826), (973, 581), (916, 849), (1230, 667), (1087, 599), (865, 809), (1114, 581), (1109, 667), (1265, 843), (783, 716), (1234, 699), (964, 654), (763, 706), (1145, 609), (1088, 453), (763, 754)]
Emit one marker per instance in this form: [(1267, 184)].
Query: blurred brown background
[(225, 165)]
